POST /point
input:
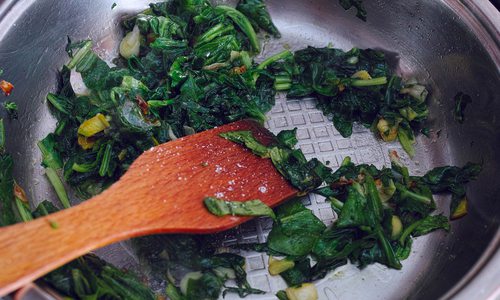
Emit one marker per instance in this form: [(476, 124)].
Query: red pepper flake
[(6, 87), (394, 153), (150, 38), (239, 70), (341, 183), (19, 193), (143, 105)]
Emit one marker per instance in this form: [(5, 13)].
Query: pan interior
[(425, 40)]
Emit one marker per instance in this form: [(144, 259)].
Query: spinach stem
[(58, 187), (408, 230), (336, 203), (282, 55), (86, 48), (282, 86), (2, 136), (23, 210), (369, 82), (392, 261), (105, 161)]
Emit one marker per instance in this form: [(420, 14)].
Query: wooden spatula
[(162, 192)]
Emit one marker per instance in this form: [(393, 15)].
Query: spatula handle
[(30, 250)]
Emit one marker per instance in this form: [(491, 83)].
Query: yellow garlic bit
[(131, 43), (387, 133), (307, 291), (277, 266), (364, 75), (397, 227), (93, 125), (85, 143), (461, 209)]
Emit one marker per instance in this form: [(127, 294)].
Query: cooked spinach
[(424, 226), (7, 216), (185, 67), (379, 210), (221, 207), (356, 86), (291, 163), (358, 4), (450, 179), (52, 162), (295, 231), (258, 15), (87, 277), (11, 108), (246, 138), (208, 272)]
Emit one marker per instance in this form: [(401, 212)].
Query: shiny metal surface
[(451, 45)]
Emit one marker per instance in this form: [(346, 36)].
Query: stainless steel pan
[(451, 45)]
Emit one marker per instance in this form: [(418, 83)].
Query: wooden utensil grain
[(162, 192)]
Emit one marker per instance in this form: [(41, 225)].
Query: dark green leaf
[(288, 138), (243, 23), (424, 226), (301, 173), (90, 276), (299, 274), (296, 231), (302, 222), (61, 103), (246, 138), (416, 199), (446, 178), (355, 211), (403, 252), (174, 293), (452, 179), (358, 4), (208, 286), (242, 291), (430, 224), (7, 216), (11, 108), (258, 15), (169, 47), (50, 156), (2, 137), (406, 138), (281, 295), (220, 207), (337, 243)]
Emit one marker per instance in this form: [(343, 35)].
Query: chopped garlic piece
[(131, 43)]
